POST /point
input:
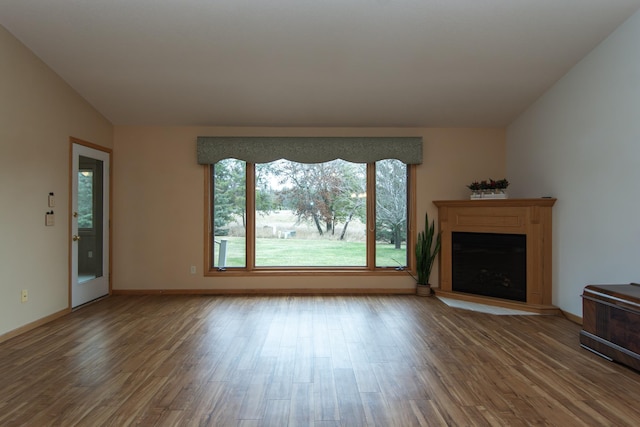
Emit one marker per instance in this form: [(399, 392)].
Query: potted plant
[(427, 248), (490, 189)]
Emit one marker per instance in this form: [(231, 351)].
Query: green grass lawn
[(311, 253)]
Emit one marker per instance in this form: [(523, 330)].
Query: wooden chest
[(611, 322)]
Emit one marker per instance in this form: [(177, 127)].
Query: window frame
[(251, 270)]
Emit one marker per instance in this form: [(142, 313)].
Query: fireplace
[(489, 264), (497, 252)]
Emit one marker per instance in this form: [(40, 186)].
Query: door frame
[(109, 151)]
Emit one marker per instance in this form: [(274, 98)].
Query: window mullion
[(250, 216), (411, 219), (208, 225), (371, 216)]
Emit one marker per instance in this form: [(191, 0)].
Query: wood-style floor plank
[(307, 361)]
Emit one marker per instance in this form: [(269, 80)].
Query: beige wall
[(159, 200), (38, 114)]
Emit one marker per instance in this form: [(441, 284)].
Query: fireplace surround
[(478, 276)]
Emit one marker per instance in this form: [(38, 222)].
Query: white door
[(89, 224)]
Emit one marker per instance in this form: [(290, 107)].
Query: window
[(391, 213), (310, 215), (285, 215), (230, 213), (85, 198)]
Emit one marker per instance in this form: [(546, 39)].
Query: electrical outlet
[(193, 269), (24, 296)]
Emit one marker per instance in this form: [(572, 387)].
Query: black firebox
[(490, 264)]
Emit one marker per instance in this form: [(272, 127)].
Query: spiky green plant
[(426, 250)]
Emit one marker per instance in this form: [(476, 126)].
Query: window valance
[(211, 149)]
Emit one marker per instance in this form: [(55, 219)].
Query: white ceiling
[(312, 62)]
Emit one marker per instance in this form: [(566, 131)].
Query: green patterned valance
[(211, 149)]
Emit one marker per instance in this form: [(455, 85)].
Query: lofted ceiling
[(312, 62)]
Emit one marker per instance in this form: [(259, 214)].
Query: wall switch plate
[(193, 269), (50, 219), (52, 200), (24, 296)]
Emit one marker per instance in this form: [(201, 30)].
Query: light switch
[(50, 219)]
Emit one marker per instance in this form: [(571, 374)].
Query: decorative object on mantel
[(489, 189), (426, 251)]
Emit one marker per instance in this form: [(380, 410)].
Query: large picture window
[(285, 215), (309, 204)]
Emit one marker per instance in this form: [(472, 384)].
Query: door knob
[(75, 238)]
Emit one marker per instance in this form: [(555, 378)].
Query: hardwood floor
[(307, 361)]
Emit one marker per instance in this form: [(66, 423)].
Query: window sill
[(271, 272)]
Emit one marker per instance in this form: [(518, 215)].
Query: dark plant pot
[(423, 290)]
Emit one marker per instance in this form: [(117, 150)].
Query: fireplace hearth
[(490, 264)]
